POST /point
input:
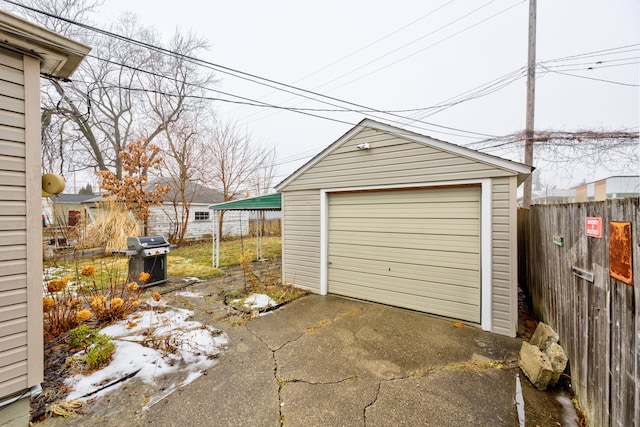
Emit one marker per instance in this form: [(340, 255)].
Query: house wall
[(600, 190), (504, 246), (162, 217), (21, 339), (301, 238), (392, 161)]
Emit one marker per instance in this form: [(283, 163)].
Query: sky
[(409, 55)]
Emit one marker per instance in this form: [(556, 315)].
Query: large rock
[(535, 365), (558, 359), (544, 336)]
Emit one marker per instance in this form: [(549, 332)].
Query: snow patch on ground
[(158, 346), (256, 301), (188, 294)]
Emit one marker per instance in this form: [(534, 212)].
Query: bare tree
[(115, 99), (131, 87), (183, 164), (236, 162), (262, 180)]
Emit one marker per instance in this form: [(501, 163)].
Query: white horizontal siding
[(301, 239), (162, 220)]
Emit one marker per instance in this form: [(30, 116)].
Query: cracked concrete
[(330, 361)]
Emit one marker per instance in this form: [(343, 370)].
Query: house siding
[(504, 268), (301, 239), (20, 279), (391, 160), (161, 217)]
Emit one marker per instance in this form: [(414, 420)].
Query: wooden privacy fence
[(596, 316)]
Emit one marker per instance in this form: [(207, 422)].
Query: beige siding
[(504, 286), (391, 160), (301, 239), (13, 226)]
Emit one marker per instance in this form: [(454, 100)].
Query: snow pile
[(153, 346), (257, 301)]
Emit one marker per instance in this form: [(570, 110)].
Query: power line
[(252, 77), (427, 47), (353, 53), (393, 51), (590, 78)]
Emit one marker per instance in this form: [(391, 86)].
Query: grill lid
[(146, 242)]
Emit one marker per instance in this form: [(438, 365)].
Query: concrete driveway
[(330, 361)]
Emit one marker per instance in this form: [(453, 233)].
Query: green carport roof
[(269, 202)]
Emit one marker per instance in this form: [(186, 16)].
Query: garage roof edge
[(520, 169)]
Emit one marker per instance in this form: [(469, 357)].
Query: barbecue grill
[(147, 254)]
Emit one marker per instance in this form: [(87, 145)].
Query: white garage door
[(418, 249)]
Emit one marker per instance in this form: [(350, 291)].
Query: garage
[(418, 249), (395, 217)]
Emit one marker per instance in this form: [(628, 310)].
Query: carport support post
[(215, 249)]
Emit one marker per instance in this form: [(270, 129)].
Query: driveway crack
[(281, 382), (373, 401)]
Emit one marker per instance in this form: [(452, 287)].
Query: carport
[(391, 216), (258, 205)]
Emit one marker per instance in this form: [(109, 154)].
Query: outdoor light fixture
[(363, 146)]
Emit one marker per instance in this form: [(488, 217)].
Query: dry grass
[(110, 229)]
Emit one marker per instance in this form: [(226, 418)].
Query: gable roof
[(59, 55), (71, 198), (194, 192), (268, 202), (520, 169)]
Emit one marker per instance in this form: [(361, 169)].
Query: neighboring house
[(391, 216), (66, 209), (163, 218), (26, 51), (614, 187), (553, 196)]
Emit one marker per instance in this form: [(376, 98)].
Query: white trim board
[(485, 236)]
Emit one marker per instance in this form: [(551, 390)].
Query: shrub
[(70, 301), (97, 348), (82, 336)]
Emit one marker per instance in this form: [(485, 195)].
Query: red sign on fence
[(593, 227)]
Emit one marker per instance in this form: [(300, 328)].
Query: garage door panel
[(460, 227), (431, 305), (425, 274), (417, 210), (400, 256), (394, 197), (424, 241), (410, 287), (418, 249), (458, 277)]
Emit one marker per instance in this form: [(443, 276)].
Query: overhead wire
[(229, 70), (260, 80), (355, 52), (387, 54)]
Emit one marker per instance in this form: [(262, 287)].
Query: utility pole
[(531, 101)]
